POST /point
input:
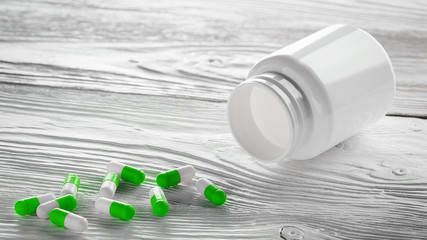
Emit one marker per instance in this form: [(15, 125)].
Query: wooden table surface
[(83, 83)]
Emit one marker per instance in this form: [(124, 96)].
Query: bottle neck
[(269, 116)]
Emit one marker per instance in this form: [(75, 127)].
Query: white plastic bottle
[(307, 97)]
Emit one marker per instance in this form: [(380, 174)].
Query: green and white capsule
[(176, 176), (115, 208), (67, 202), (212, 192), (29, 205), (68, 220), (71, 185), (127, 173), (158, 201), (109, 185)]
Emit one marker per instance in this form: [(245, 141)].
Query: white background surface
[(86, 82)]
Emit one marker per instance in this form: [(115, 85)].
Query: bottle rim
[(266, 116)]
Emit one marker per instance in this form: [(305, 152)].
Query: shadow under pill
[(112, 222), (32, 226), (181, 194), (142, 212), (126, 187)]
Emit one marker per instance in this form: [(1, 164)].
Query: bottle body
[(330, 85)]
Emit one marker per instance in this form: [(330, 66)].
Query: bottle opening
[(260, 120)]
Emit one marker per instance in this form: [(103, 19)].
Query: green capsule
[(132, 175), (169, 178), (158, 201), (71, 185), (68, 220), (72, 178), (109, 185), (212, 192), (57, 216), (67, 202), (127, 173), (113, 177), (215, 194), (175, 176), (29, 205), (115, 208)]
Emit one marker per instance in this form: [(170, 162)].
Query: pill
[(109, 185), (71, 185), (212, 192), (29, 205), (66, 219), (175, 176), (158, 201), (115, 208), (67, 202), (127, 173)]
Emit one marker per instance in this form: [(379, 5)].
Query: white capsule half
[(103, 205), (115, 167), (44, 209), (186, 173), (75, 222), (46, 197), (155, 191), (108, 189), (202, 184), (69, 188)]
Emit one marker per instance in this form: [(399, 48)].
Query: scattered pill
[(66, 219), (109, 185), (212, 192), (67, 202), (29, 205), (115, 208), (176, 176), (158, 201), (127, 173), (71, 185)]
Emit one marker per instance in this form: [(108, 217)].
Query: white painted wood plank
[(206, 72), (202, 21), (248, 28), (84, 83), (371, 186)]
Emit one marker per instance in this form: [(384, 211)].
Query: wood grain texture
[(146, 82), (371, 186), (253, 27), (204, 71)]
